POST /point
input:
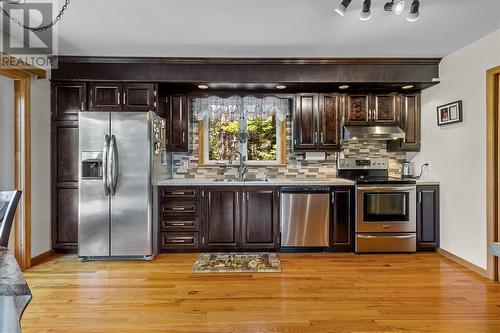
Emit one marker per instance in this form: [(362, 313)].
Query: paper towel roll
[(315, 156)]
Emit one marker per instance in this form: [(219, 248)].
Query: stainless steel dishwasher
[(305, 216)]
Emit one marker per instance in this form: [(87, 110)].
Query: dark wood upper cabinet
[(105, 96), (305, 121), (409, 123), (221, 223), (329, 121), (111, 96), (372, 109), (317, 122), (386, 109), (259, 224), (427, 217), (341, 232), (68, 98), (357, 110), (139, 97), (177, 123)]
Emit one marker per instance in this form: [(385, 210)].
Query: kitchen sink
[(257, 180), (235, 180), (227, 180)]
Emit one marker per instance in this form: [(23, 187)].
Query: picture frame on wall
[(449, 113)]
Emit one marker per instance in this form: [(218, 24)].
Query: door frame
[(22, 73), (493, 168)]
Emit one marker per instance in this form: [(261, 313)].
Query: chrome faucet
[(242, 169)]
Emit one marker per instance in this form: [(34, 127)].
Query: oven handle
[(386, 189), (386, 236)]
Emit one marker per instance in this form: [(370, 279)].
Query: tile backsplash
[(187, 166)]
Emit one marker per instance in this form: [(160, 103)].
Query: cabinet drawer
[(178, 193), (178, 208), (179, 240), (168, 224)]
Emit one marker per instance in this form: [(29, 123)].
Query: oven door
[(386, 208)]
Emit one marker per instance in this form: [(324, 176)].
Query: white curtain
[(234, 107)]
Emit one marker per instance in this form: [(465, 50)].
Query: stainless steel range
[(385, 206)]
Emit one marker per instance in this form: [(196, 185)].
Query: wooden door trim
[(493, 167)]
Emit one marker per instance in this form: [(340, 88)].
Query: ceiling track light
[(396, 8), (366, 13), (414, 14), (342, 7)]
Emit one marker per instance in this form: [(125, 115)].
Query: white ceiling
[(270, 28)]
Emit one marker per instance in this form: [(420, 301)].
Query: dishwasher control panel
[(305, 189)]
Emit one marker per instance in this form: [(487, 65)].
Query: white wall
[(7, 138), (6, 133), (40, 167), (457, 152)]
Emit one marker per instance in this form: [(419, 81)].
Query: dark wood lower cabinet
[(259, 225), (222, 218), (427, 217), (179, 218), (239, 218), (342, 220)]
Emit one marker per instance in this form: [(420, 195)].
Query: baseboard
[(467, 264), (41, 258)]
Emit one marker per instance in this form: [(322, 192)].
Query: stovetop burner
[(369, 171), (383, 180)]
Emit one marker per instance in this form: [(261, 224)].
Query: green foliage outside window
[(222, 140), (261, 139)]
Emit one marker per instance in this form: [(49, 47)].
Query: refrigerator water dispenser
[(91, 164)]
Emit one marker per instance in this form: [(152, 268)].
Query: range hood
[(382, 133)]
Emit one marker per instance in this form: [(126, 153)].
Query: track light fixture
[(414, 14), (395, 7), (366, 13), (342, 7)]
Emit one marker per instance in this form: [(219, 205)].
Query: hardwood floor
[(315, 293)]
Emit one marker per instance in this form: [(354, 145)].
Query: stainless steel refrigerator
[(119, 159)]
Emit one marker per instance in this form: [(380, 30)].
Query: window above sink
[(250, 126)]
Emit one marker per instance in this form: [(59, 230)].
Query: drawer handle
[(178, 193), (178, 208), (181, 223), (180, 240)]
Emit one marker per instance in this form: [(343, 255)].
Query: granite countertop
[(272, 182), (427, 182)]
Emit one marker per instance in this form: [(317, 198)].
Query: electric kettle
[(407, 170)]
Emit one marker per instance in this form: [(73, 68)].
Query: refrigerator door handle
[(114, 165), (105, 153)]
